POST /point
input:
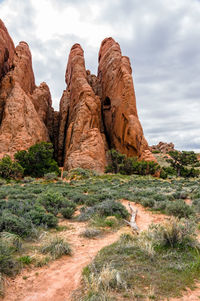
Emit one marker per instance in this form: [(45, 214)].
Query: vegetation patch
[(56, 247), (158, 263)]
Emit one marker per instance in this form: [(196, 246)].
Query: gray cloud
[(162, 40)]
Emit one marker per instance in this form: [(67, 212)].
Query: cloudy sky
[(162, 39)]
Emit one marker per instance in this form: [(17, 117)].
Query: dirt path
[(57, 281)]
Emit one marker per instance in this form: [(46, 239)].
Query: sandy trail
[(59, 279)]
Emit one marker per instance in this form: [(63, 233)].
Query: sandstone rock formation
[(163, 147), (122, 126), (96, 112), (81, 143), (26, 115), (99, 112), (7, 49)]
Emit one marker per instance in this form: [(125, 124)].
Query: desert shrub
[(12, 241), (2, 182), (67, 212), (3, 195), (91, 233), (163, 174), (65, 174), (56, 247), (148, 203), (21, 217), (25, 260), (54, 202), (10, 169), (28, 180), (80, 174), (111, 208), (37, 160), (40, 217), (12, 223), (160, 206), (104, 209), (8, 265), (179, 208), (51, 176), (174, 233), (105, 222), (180, 195)]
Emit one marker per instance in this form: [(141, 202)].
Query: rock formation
[(81, 143), (26, 115), (122, 126), (163, 147), (97, 113)]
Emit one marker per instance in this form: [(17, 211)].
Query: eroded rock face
[(21, 126), (122, 126), (80, 139), (7, 50), (26, 114)]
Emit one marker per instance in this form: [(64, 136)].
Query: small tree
[(179, 161), (128, 166), (10, 169), (37, 160)]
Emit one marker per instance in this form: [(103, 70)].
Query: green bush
[(37, 160), (67, 212), (54, 202), (22, 216), (179, 208), (104, 209), (10, 169), (25, 260), (40, 217), (148, 203)]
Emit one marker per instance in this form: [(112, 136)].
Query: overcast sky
[(161, 37)]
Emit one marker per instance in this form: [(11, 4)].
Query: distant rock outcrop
[(26, 112), (97, 113), (163, 147)]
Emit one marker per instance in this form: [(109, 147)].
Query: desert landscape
[(90, 210)]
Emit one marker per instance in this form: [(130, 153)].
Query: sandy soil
[(59, 279)]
